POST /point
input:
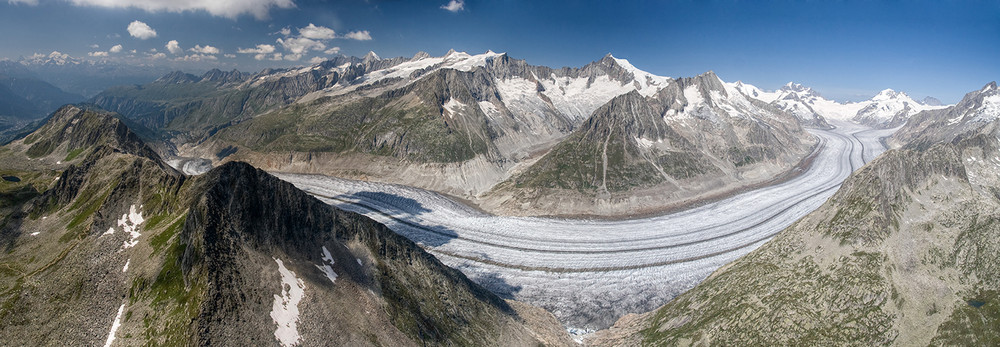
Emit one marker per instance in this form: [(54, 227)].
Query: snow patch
[(35, 233), (285, 310), (126, 265), (326, 268), (644, 143), (114, 326), (489, 109), (693, 96), (452, 106), (130, 224)]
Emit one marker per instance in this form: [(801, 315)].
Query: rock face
[(903, 254), (123, 248), (694, 138), (977, 109)]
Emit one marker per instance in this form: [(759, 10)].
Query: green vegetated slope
[(406, 123), (905, 253), (119, 237)]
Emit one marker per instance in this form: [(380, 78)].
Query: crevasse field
[(589, 273)]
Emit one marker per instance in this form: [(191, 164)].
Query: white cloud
[(230, 56), (98, 54), (359, 35), (157, 56), (286, 31), (115, 49), (332, 50), (262, 48), (140, 30), (454, 5), (132, 51), (275, 56), (316, 32), (152, 50), (223, 8), (299, 45), (293, 57), (205, 50), (174, 47), (196, 57), (95, 46), (316, 60), (25, 2)]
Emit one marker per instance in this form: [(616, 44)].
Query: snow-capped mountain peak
[(648, 83), (889, 94)]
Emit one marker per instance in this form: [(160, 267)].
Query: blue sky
[(847, 50)]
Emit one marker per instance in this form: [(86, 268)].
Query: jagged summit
[(371, 56), (420, 55)]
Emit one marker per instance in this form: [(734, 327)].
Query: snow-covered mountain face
[(977, 108), (887, 109)]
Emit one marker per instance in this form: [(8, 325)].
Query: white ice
[(285, 310)]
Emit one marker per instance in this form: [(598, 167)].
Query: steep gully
[(591, 272)]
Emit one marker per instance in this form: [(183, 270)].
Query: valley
[(591, 272)]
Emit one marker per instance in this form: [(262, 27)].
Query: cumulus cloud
[(454, 5), (229, 55), (317, 32), (293, 57), (115, 49), (157, 56), (95, 46), (316, 60), (98, 54), (205, 49), (332, 50), (260, 49), (260, 9), (140, 30), (359, 35), (174, 47), (299, 45)]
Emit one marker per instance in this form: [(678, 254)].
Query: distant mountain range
[(85, 77), (887, 109)]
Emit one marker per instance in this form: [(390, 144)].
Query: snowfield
[(591, 272)]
